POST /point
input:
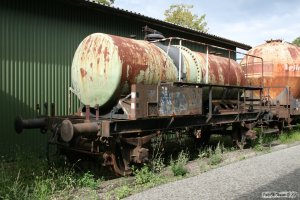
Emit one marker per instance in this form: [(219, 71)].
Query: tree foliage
[(181, 14), (106, 2), (297, 41)]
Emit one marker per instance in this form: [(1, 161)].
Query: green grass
[(290, 137), (123, 191), (31, 178), (264, 142), (26, 177)]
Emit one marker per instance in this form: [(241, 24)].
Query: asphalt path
[(270, 176)]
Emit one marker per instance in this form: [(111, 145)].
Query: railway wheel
[(117, 161)]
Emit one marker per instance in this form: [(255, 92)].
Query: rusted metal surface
[(221, 70), (69, 130), (179, 100), (104, 67), (164, 100), (281, 67)]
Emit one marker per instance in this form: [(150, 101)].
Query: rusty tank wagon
[(134, 91), (105, 66), (275, 65)]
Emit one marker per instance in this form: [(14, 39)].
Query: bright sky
[(246, 21)]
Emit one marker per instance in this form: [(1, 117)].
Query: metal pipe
[(97, 112), (229, 58), (87, 112), (247, 79), (210, 102), (69, 130), (206, 66), (238, 105), (36, 123), (201, 43), (179, 75), (262, 72), (69, 100)]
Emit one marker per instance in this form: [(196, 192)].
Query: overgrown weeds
[(258, 143), (33, 179), (145, 176), (215, 156), (150, 175), (178, 166), (290, 137)]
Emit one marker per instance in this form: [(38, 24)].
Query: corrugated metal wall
[(38, 40)]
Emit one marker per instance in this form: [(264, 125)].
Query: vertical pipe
[(238, 105), (229, 66), (87, 112), (69, 100), (244, 106), (247, 69), (179, 73), (288, 101), (97, 112), (260, 96), (268, 98), (206, 66), (262, 72), (210, 101)]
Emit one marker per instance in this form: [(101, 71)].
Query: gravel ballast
[(276, 172)]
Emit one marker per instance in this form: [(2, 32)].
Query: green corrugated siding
[(38, 40)]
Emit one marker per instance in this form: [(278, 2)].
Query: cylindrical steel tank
[(281, 67), (104, 66)]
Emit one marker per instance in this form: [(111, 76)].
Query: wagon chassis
[(122, 137)]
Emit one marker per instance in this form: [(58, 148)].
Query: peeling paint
[(113, 63), (280, 68), (83, 72)]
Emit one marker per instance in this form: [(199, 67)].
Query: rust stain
[(83, 72), (280, 67), (99, 49), (106, 54), (87, 42), (293, 52), (131, 54), (223, 71)]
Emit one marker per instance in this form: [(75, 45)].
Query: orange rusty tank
[(281, 67)]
